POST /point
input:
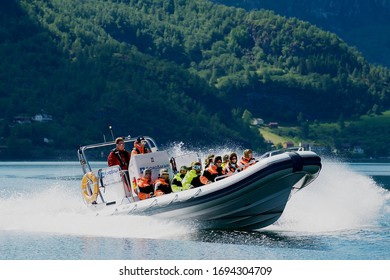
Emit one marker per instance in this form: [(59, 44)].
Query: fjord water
[(343, 215)]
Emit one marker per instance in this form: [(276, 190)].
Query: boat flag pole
[(112, 133)]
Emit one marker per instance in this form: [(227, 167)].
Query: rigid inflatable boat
[(250, 199)]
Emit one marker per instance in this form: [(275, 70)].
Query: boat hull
[(251, 199)]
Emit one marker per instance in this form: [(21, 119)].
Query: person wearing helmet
[(162, 184), (139, 147), (192, 178), (213, 171), (178, 178), (145, 185), (247, 159), (232, 165)]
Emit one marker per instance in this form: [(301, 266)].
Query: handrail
[(221, 177), (148, 139), (82, 149), (281, 151)]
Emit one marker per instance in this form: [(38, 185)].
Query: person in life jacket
[(213, 171), (247, 159), (139, 147), (162, 184), (232, 166), (225, 161), (119, 155), (178, 178), (209, 160), (192, 178), (145, 185)]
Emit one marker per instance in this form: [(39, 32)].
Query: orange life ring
[(89, 184)]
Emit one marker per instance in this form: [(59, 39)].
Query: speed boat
[(247, 200)]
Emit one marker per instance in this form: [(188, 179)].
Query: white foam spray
[(55, 210), (339, 199)]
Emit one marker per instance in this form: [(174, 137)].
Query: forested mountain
[(361, 23), (177, 70)]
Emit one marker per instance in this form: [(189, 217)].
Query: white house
[(257, 121), (42, 118)]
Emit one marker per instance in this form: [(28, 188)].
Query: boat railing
[(152, 144), (127, 184), (107, 178), (82, 151), (281, 151)]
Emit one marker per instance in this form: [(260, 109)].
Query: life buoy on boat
[(89, 184)]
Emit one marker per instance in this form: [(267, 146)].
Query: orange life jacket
[(162, 187), (246, 162), (146, 188), (210, 173), (139, 149)]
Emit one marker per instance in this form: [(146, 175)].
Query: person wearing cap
[(213, 171), (119, 155), (192, 178), (145, 185), (139, 147), (247, 159), (162, 184), (178, 178)]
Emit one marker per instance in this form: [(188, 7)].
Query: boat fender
[(297, 161), (90, 187)]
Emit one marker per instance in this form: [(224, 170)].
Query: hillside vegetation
[(176, 70), (361, 23)]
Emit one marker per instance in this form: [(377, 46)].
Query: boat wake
[(339, 200), (57, 212)]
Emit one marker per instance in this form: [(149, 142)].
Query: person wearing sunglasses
[(177, 180), (192, 178), (213, 171), (232, 166), (119, 155)]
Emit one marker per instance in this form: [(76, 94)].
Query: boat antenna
[(112, 133)]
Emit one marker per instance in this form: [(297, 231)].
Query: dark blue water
[(343, 215)]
